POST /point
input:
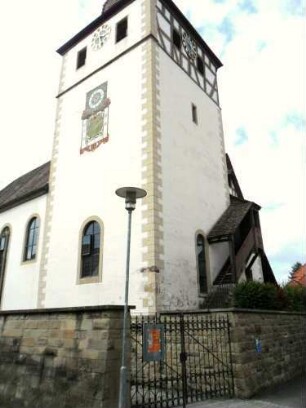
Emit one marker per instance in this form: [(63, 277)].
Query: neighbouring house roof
[(25, 188), (231, 219), (299, 277)]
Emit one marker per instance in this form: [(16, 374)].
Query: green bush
[(266, 296), (296, 296)]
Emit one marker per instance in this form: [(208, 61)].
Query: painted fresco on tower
[(95, 119)]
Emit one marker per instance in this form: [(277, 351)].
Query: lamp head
[(131, 194)]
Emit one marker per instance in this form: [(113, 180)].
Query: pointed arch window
[(90, 251), (30, 248), (4, 243), (201, 261)]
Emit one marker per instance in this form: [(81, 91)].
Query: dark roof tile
[(25, 188), (109, 4), (299, 277), (231, 218)]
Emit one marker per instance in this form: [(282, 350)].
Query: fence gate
[(196, 364)]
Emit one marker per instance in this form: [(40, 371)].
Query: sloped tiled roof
[(299, 276), (109, 4), (231, 218), (25, 188)]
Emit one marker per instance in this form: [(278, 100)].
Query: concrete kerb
[(238, 404)]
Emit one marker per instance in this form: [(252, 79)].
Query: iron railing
[(197, 363)]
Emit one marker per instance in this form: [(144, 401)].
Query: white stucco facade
[(257, 272), (194, 181), (21, 278), (190, 161), (85, 187), (162, 132), (97, 59), (218, 256), (82, 186)]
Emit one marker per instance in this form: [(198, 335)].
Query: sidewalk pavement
[(289, 395)]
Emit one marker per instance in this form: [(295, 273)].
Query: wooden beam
[(233, 258)]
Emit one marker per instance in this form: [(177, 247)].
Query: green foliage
[(266, 296), (294, 268), (296, 296), (254, 295)]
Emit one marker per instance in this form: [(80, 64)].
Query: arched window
[(30, 248), (202, 272), (90, 255), (4, 242)]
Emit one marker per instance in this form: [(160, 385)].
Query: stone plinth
[(60, 358)]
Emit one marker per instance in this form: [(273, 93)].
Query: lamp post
[(130, 194)]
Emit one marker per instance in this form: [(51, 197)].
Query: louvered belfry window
[(90, 254), (121, 31)]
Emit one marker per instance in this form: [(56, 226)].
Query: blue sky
[(262, 90)]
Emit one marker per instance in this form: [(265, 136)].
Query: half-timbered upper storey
[(185, 46)]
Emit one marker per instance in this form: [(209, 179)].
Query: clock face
[(96, 98), (100, 37), (190, 46)]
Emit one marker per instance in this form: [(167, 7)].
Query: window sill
[(84, 281), (28, 262)]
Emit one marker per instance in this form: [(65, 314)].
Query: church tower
[(137, 105)]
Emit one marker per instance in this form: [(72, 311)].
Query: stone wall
[(60, 358), (71, 357), (267, 348)]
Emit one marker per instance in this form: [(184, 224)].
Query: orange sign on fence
[(153, 345), (154, 341)]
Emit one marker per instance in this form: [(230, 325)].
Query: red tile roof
[(299, 276)]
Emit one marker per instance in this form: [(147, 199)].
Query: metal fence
[(196, 364)]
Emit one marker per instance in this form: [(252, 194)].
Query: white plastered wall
[(85, 187), (195, 192), (109, 51), (218, 255), (21, 278), (257, 270)]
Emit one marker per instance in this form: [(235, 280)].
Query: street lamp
[(131, 194)]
